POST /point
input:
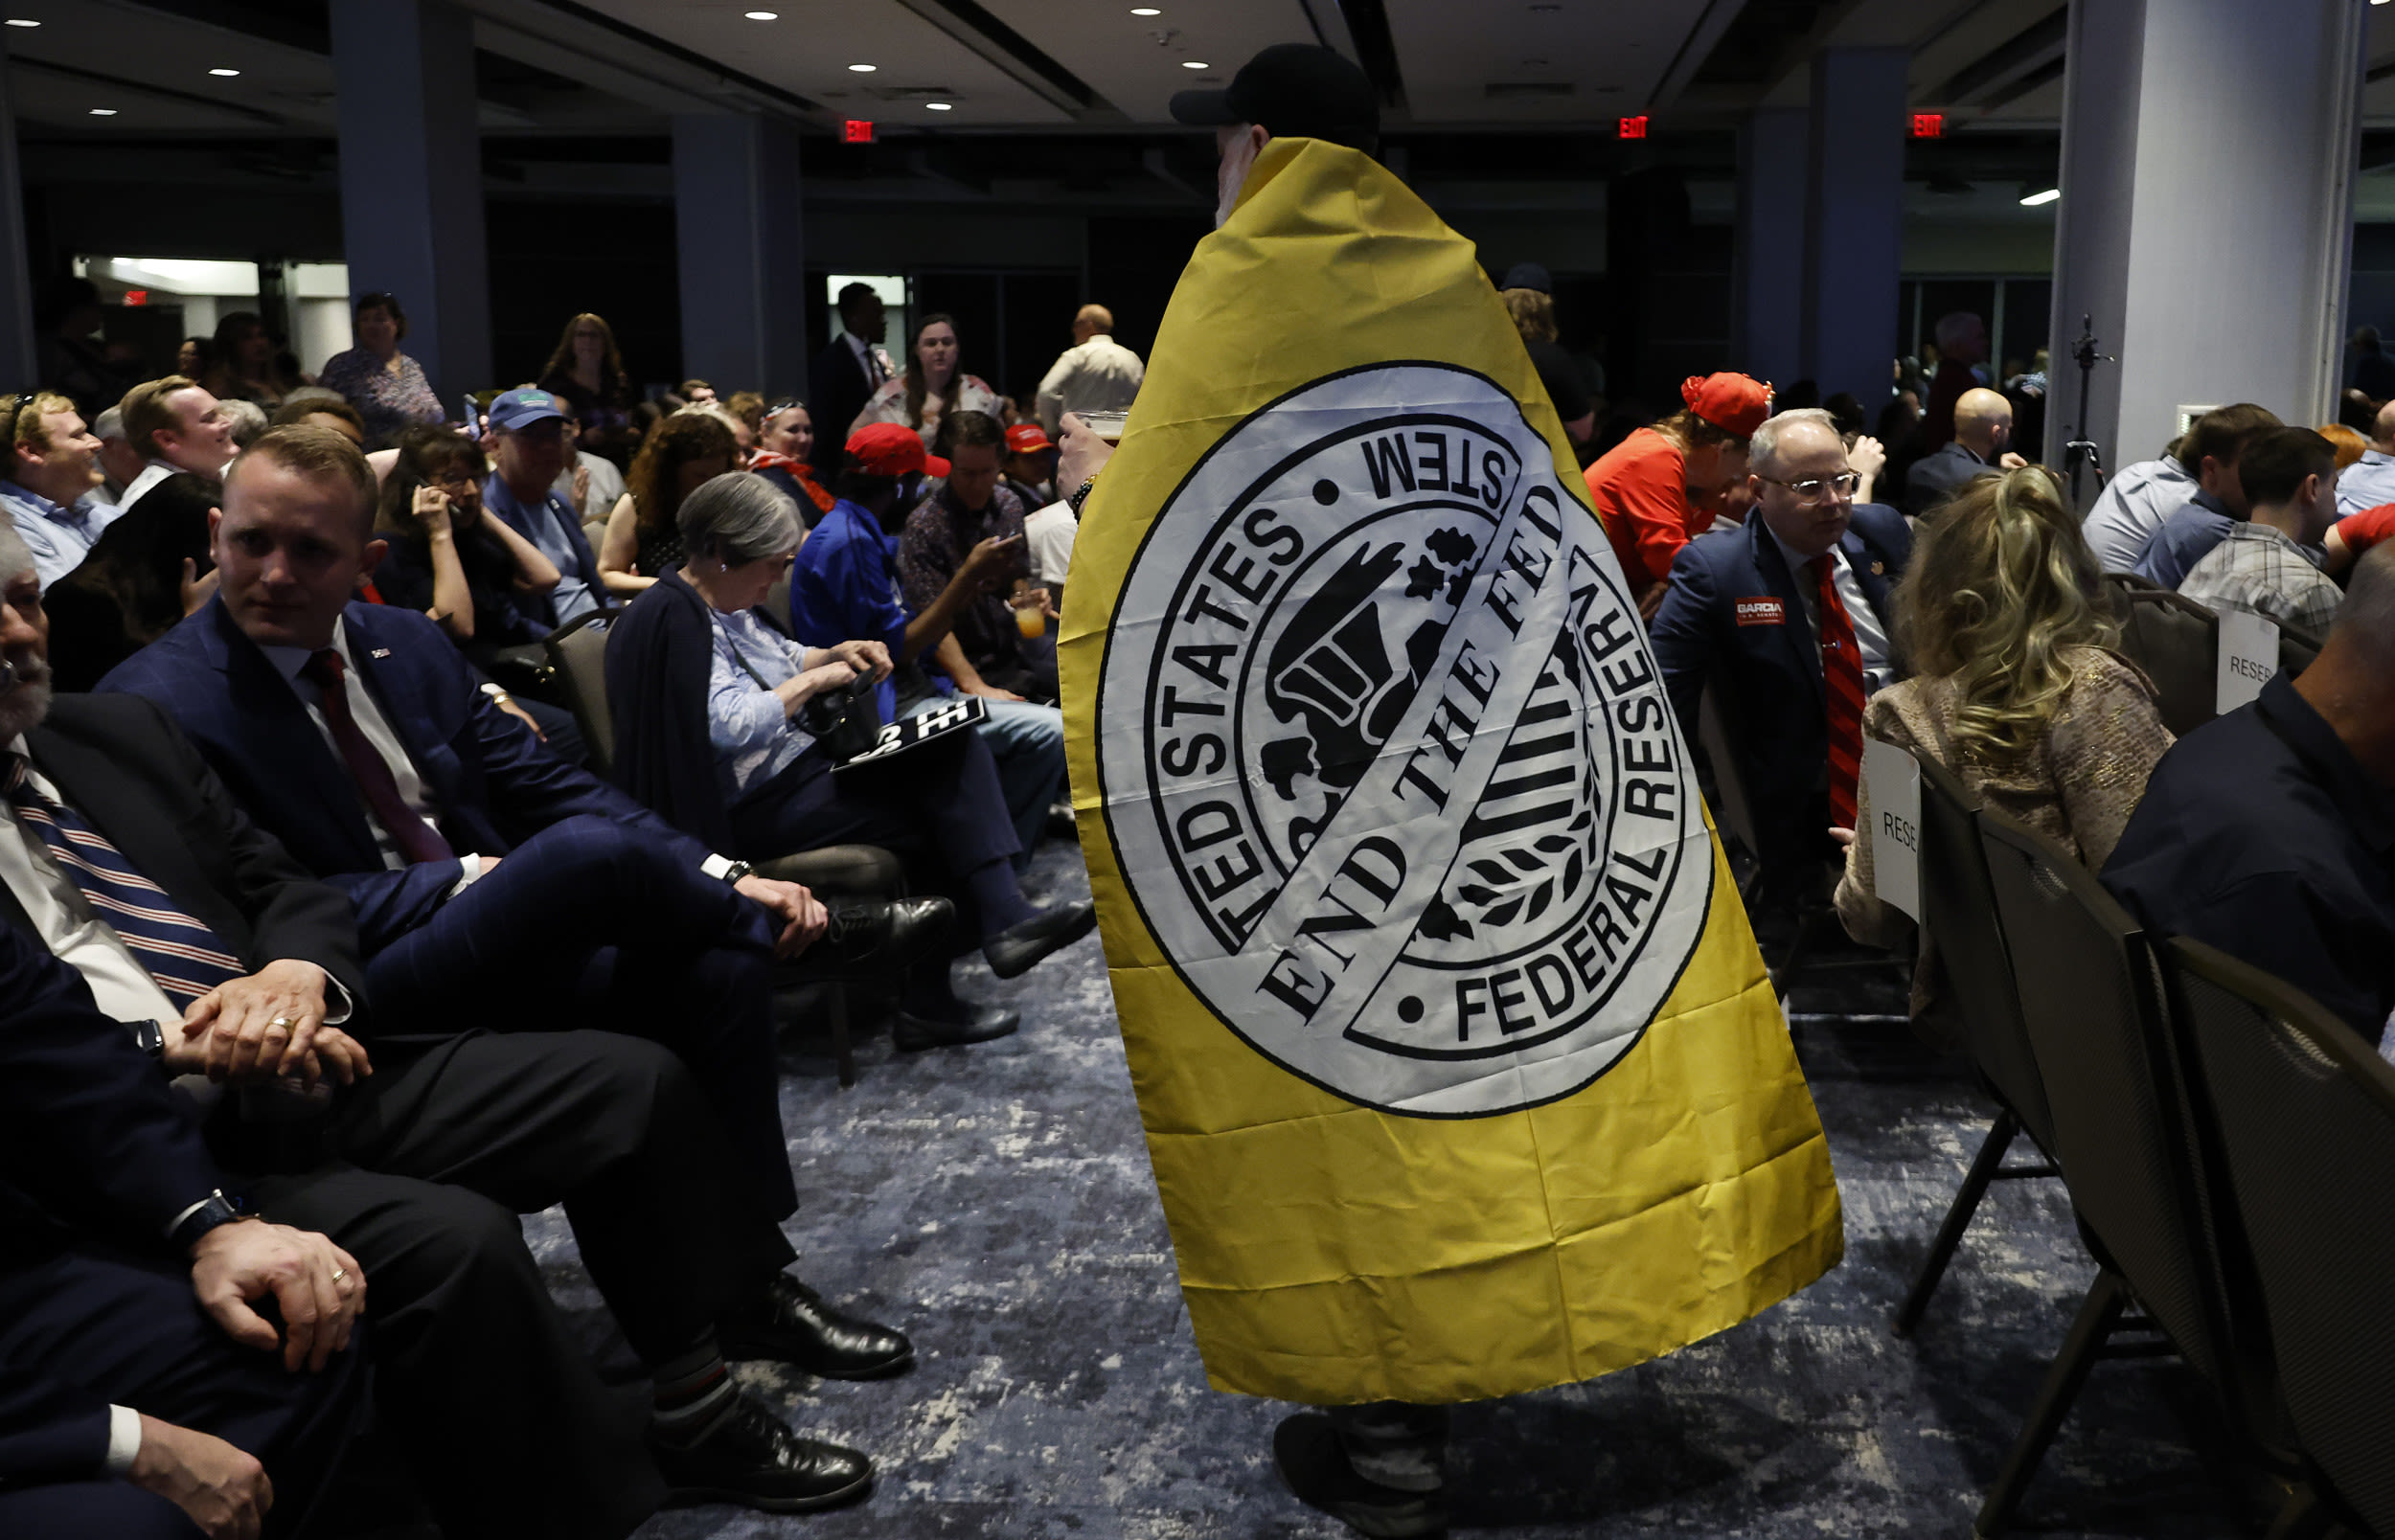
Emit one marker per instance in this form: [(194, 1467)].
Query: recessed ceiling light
[(864, 69), (20, 21), (104, 112), (763, 15), (1152, 10), (2049, 195), (941, 106), (1193, 64), (222, 71)]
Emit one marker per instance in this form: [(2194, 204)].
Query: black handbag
[(846, 721)]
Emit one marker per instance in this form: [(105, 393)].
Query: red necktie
[(1842, 680), (416, 839)]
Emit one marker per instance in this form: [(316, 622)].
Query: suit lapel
[(135, 825), (1794, 631), (290, 760)]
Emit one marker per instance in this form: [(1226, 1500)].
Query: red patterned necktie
[(1841, 681), (416, 839)]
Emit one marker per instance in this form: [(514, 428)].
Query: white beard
[(24, 705)]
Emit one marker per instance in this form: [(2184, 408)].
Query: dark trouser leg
[(92, 1511), (690, 970), (506, 1424), (610, 1126), (127, 1330), (942, 802)]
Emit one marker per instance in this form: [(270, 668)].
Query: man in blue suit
[(485, 871), (135, 1400), (1745, 609)]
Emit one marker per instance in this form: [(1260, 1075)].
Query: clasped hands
[(269, 1026)]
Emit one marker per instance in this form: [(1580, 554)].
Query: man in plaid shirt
[(2271, 565)]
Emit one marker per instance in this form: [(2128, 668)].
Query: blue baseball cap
[(512, 411)]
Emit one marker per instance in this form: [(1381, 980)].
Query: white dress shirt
[(1870, 636), (152, 473), (66, 924), (378, 732), (1098, 375)]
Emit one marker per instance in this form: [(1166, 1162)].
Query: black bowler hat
[(1296, 90)]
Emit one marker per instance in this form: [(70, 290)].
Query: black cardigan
[(660, 652)]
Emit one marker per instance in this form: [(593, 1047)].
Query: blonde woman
[(2019, 691)]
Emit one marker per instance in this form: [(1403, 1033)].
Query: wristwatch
[(150, 1038), (724, 869), (499, 696), (208, 1213)]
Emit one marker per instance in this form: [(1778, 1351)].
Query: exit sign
[(1634, 128), (856, 131), (1929, 125), (137, 297)]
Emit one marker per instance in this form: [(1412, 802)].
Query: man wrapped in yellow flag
[(1459, 1069)]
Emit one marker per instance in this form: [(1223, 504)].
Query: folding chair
[(1958, 912), (2303, 1115), (2093, 1008)]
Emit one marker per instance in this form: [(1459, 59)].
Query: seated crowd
[(325, 901)]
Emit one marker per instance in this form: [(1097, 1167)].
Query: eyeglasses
[(1817, 488)]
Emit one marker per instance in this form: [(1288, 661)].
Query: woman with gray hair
[(707, 693)]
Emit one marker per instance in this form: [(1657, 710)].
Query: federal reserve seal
[(1386, 761)]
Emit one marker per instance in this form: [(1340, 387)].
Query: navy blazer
[(1771, 665), (91, 1131), (495, 785), (1935, 478), (837, 389)]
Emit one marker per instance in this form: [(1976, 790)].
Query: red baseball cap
[(1026, 439), (1736, 403), (892, 449)]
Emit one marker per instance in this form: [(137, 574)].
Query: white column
[(742, 250), (1853, 220), (2206, 223), (1768, 292), (411, 177)]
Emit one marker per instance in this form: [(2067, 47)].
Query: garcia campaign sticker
[(1385, 756)]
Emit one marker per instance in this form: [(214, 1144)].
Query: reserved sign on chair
[(2248, 658), (961, 714), (1894, 780)]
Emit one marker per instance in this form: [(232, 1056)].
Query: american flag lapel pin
[(380, 652)]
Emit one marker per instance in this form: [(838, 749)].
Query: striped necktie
[(1841, 681), (185, 957)]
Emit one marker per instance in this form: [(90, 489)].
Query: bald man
[(1097, 373), (2370, 480), (1982, 445)]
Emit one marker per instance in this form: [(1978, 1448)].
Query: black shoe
[(911, 1033), (1062, 824), (1305, 1451), (750, 1457), (792, 1325), (1015, 950), (880, 937)]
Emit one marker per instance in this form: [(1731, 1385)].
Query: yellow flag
[(1458, 1066)]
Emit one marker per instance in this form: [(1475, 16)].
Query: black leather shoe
[(792, 1325), (911, 1033), (1306, 1452), (1015, 950), (878, 937), (750, 1457)]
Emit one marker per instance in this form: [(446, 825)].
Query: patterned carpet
[(996, 1203)]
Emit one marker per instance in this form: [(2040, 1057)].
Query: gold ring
[(283, 1022), (338, 1275)]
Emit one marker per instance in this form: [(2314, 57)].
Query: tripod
[(2082, 451)]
